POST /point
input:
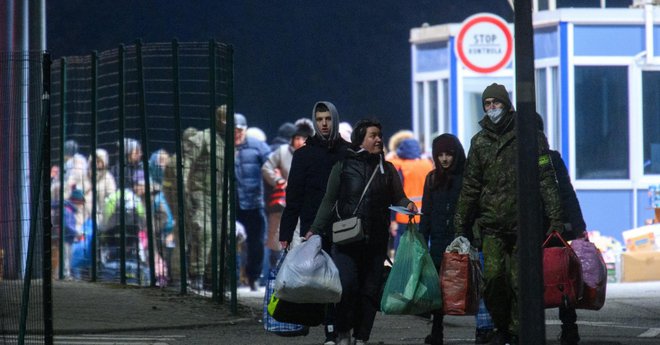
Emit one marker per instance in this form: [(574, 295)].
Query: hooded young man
[(488, 200), (308, 178)]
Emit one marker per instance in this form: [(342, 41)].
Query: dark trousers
[(254, 222), (361, 273), (567, 315)]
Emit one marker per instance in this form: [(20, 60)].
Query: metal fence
[(24, 289), (133, 158)]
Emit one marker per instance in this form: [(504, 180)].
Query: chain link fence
[(132, 161), (24, 227)]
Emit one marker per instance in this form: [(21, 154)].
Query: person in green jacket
[(487, 206)]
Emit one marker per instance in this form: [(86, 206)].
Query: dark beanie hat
[(304, 128), (499, 92), (286, 130)]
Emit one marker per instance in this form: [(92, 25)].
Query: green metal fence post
[(231, 190), (94, 60), (122, 167), (145, 165), (214, 173), (225, 210), (179, 167), (36, 183), (47, 274), (63, 91)]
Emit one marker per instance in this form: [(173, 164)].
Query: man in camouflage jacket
[(487, 205)]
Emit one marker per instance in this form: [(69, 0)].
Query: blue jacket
[(250, 156)]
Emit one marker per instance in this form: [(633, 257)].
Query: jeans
[(254, 222)]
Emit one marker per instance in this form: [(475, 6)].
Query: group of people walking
[(473, 196)]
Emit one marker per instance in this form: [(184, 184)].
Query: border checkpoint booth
[(597, 81)]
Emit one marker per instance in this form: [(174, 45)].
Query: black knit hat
[(286, 130), (498, 92), (304, 128)]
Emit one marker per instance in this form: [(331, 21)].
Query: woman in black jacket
[(441, 189), (360, 263)]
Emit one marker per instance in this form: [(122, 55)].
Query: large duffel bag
[(594, 274), (562, 273), (272, 325), (460, 278)]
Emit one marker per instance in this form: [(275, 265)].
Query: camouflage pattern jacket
[(488, 200)]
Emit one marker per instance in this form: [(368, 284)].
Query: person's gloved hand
[(555, 226), (476, 242)]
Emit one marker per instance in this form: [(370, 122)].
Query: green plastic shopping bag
[(412, 286)]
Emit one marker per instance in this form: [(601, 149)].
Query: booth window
[(444, 106), (601, 122), (548, 100), (420, 111), (433, 108), (651, 109)]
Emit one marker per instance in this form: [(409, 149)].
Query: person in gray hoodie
[(308, 177)]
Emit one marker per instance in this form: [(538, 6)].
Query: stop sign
[(484, 44)]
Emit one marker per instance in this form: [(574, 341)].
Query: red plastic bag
[(562, 273), (460, 279), (594, 274)]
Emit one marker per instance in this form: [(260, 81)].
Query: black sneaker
[(483, 335), (429, 340), (514, 340), (501, 338), (569, 335), (330, 339)]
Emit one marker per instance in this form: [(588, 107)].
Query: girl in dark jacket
[(441, 189)]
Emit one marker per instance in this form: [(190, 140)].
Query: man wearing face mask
[(487, 206)]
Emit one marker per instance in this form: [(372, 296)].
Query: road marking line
[(650, 333)]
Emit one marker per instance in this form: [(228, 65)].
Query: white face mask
[(495, 114)]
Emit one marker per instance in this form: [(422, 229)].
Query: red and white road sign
[(484, 44)]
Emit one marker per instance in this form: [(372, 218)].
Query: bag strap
[(365, 190), (557, 235), (361, 196)]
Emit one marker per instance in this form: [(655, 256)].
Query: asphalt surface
[(631, 316)]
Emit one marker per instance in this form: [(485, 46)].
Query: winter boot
[(569, 334), (483, 335)]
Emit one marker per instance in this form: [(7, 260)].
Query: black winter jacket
[(345, 186), (438, 208), (308, 178), (572, 213)]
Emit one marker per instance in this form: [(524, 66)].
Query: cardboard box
[(644, 238), (640, 266)]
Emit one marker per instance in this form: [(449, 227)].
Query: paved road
[(631, 316)]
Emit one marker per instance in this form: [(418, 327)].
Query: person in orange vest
[(412, 169)]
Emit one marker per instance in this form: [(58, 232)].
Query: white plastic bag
[(462, 245), (308, 275)]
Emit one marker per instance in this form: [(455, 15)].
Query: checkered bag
[(483, 319), (270, 324)]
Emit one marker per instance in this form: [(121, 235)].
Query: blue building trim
[(545, 43), (608, 40), (563, 70), (432, 57), (453, 88), (644, 210), (656, 40), (608, 211)]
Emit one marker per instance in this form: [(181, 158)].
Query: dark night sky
[(288, 54)]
